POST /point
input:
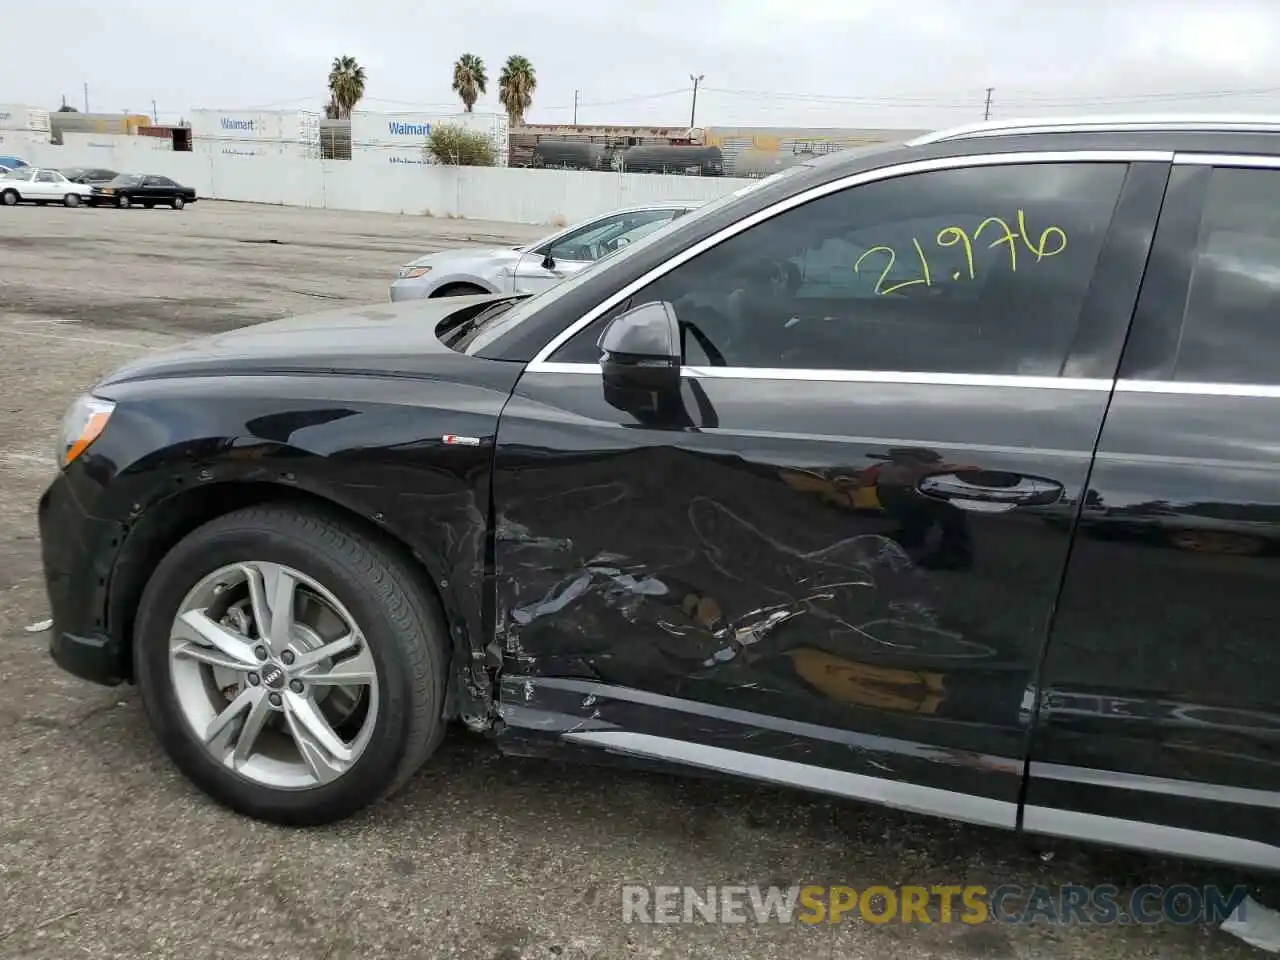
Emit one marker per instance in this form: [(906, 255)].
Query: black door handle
[(990, 492)]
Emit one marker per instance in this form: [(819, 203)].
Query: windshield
[(512, 318)]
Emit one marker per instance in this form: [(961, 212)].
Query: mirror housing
[(640, 358), (548, 261)]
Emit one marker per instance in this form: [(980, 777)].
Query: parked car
[(11, 162), (143, 190), (759, 495), (39, 185), (89, 175), (536, 266)]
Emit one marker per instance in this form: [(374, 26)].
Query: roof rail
[(1236, 123)]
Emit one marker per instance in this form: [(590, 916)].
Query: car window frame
[(544, 246), (1075, 335), (1151, 356), (543, 362)]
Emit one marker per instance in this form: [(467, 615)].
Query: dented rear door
[(824, 570)]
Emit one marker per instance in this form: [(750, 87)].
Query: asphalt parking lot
[(105, 851)]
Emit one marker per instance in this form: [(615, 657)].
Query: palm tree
[(469, 80), (346, 87), (515, 87)]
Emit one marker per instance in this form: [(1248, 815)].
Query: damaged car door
[(778, 509)]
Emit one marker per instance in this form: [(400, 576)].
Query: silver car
[(532, 268)]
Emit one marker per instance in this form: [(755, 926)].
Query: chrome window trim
[(1188, 389), (1173, 387), (1227, 160), (813, 193), (1118, 123), (854, 376)]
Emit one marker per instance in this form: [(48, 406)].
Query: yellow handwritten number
[(857, 265), (1040, 250), (924, 267), (949, 237), (1009, 238), (884, 291)]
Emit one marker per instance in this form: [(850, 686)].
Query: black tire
[(71, 200), (179, 203), (459, 290), (122, 201), (401, 622), (10, 198)]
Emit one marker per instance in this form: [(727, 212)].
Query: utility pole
[(986, 111), (575, 108), (693, 110), (155, 114), (86, 96)]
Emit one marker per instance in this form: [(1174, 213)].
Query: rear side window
[(976, 270), (1231, 318)]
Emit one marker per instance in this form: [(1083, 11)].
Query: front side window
[(1229, 331), (46, 176), (980, 270), (598, 239)]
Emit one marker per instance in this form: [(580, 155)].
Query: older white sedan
[(41, 185), (532, 268)]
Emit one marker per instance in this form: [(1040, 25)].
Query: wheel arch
[(471, 284), (168, 521)]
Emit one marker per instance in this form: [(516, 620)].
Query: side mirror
[(640, 359), (548, 261)]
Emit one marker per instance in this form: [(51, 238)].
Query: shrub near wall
[(454, 146)]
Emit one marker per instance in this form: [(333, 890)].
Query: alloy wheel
[(273, 675)]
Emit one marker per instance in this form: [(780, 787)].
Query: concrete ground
[(105, 851)]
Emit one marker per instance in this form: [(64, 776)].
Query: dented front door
[(841, 579), (780, 568)]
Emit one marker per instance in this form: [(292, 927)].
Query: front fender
[(491, 281), (412, 456)]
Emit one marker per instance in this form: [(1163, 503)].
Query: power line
[(978, 99)]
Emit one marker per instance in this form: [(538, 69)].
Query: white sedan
[(535, 267), (41, 185)]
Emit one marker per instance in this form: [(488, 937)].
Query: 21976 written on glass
[(1051, 242)]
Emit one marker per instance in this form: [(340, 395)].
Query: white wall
[(514, 195), (104, 145)]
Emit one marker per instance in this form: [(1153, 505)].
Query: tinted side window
[(1230, 332), (593, 242), (973, 270)]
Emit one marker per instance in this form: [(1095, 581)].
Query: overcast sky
[(916, 64)]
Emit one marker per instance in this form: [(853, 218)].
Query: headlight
[(82, 425), (411, 272)]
